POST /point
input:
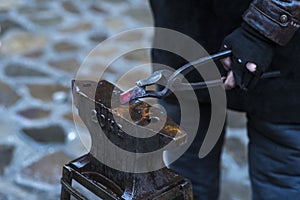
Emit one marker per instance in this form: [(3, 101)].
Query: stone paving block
[(12, 191), (6, 156), (78, 27), (34, 54), (237, 150), (18, 43), (141, 56), (33, 9), (114, 23), (16, 70), (46, 170), (64, 46), (34, 113), (9, 4), (45, 92), (9, 24), (97, 9), (69, 64), (7, 96), (70, 7), (53, 134), (46, 21), (98, 37), (142, 15), (132, 37)]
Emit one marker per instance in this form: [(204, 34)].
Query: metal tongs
[(174, 80)]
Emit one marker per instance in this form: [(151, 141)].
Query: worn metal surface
[(99, 108)]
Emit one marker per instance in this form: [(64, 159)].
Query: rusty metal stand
[(86, 171), (111, 184)]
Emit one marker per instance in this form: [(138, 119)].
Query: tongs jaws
[(160, 77)]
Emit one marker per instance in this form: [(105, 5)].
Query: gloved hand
[(252, 54)]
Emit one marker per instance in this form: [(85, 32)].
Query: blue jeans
[(274, 160)]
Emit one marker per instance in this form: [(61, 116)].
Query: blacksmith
[(264, 36)]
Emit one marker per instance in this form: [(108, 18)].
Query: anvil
[(135, 129)]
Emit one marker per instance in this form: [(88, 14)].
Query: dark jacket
[(208, 22)]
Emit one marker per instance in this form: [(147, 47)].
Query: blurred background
[(44, 43)]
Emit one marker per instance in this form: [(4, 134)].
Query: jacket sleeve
[(275, 19)]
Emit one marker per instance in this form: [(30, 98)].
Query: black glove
[(248, 45)]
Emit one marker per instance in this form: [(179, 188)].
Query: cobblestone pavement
[(44, 42)]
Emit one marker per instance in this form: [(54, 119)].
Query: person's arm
[(276, 20), (267, 24)]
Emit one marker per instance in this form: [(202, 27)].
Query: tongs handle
[(187, 68), (174, 79)]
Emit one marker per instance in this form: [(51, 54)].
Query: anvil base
[(88, 172)]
